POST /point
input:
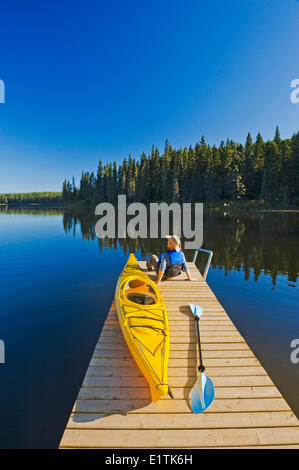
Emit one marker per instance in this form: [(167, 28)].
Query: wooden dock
[(114, 408)]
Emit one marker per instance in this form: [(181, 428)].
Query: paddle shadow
[(191, 352)]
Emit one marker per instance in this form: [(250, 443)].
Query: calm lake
[(58, 281)]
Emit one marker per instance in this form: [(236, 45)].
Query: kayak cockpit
[(141, 298), (140, 292)]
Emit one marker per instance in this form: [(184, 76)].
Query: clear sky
[(94, 78)]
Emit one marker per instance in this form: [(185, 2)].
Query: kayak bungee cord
[(153, 353), (136, 309), (148, 326), (148, 318)]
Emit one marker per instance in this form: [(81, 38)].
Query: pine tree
[(249, 168), (259, 165), (294, 170), (74, 189), (114, 183), (277, 138), (99, 191), (286, 173), (270, 183), (64, 190)]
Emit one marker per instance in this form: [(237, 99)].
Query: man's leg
[(152, 263)]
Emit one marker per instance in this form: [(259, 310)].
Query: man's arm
[(160, 275), (162, 267)]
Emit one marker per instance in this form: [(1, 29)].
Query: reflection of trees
[(86, 222), (254, 242), (251, 243)]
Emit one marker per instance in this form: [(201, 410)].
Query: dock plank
[(114, 409), (182, 438), (184, 420)]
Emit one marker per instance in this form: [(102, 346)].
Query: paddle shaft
[(201, 367)]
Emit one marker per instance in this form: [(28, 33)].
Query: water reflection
[(248, 242), (257, 243)]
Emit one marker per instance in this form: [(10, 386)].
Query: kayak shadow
[(112, 385), (95, 410)]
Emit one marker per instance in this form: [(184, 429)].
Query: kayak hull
[(144, 324)]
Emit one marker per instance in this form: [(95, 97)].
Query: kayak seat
[(141, 298)]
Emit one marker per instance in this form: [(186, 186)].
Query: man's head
[(173, 242)]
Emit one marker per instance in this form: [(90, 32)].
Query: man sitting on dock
[(171, 262)]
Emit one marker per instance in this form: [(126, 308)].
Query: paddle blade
[(203, 394), (196, 310)]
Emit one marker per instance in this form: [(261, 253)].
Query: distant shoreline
[(226, 207)]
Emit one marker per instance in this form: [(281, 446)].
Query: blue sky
[(95, 79)]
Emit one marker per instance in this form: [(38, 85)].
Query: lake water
[(57, 284)]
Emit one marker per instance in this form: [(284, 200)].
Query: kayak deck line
[(114, 407)]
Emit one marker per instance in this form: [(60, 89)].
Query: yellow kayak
[(144, 324)]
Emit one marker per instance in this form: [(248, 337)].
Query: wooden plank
[(183, 421), (175, 322), (135, 382), (183, 355), (209, 362), (184, 335), (184, 314), (210, 318), (183, 438), (274, 446), (102, 393), (186, 329), (184, 340), (179, 406), (121, 346), (186, 372)]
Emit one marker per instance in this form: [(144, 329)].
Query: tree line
[(258, 170), (19, 199)]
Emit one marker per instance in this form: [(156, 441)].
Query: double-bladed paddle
[(203, 393)]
